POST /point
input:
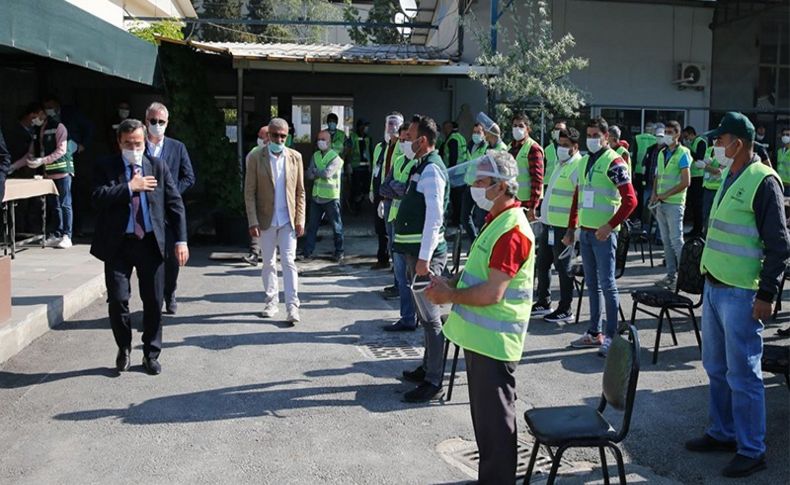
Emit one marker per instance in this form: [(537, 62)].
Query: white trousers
[(284, 238)]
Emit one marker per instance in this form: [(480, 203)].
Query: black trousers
[(492, 398), (694, 204), (639, 188), (171, 264), (144, 257), (382, 253)]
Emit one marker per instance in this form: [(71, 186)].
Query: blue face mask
[(477, 138), (276, 148), (332, 126)]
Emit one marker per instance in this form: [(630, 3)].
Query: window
[(227, 104)]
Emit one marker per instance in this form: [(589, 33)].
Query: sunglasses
[(279, 136), (155, 121)]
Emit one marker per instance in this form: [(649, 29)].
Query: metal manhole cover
[(388, 348)]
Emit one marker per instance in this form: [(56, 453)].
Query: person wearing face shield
[(138, 197), (673, 177), (529, 158), (783, 160), (385, 153), (604, 198), (491, 304), (744, 258), (326, 168), (419, 238), (175, 155), (550, 151), (555, 214)]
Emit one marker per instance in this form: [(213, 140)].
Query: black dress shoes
[(425, 392), (152, 366), (122, 361), (707, 443), (417, 375), (743, 466), (400, 326), (171, 307)]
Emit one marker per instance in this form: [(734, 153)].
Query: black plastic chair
[(584, 426), (456, 257), (778, 306), (447, 344), (641, 236), (689, 280), (621, 257)]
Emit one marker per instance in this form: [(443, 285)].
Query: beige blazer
[(259, 188)]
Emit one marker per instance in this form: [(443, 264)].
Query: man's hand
[(371, 198), (422, 268), (531, 217), (440, 291), (700, 164), (182, 254), (143, 184), (603, 232), (570, 237), (299, 230), (35, 163), (653, 199), (80, 148), (762, 309), (255, 231)]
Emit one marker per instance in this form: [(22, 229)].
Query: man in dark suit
[(136, 197), (176, 158)]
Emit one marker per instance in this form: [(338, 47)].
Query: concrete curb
[(14, 337)]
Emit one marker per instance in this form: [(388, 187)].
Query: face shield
[(392, 124), (489, 125), (468, 173)]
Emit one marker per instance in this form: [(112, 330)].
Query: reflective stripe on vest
[(561, 198), (496, 331), (524, 179), (669, 174), (326, 188), (606, 198), (733, 251)]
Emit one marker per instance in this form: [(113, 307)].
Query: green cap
[(736, 124)]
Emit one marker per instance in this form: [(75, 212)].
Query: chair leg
[(555, 465), (622, 315), (446, 351), (579, 304), (696, 328), (452, 373), (620, 466), (778, 306), (532, 457), (604, 466), (672, 329), (658, 335), (633, 312)]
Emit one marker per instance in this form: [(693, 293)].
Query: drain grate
[(388, 348)]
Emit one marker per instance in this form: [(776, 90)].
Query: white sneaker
[(269, 310), (52, 242), (293, 315), (65, 243)]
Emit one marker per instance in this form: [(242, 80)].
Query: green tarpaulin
[(58, 30)]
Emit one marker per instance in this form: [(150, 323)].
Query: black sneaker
[(338, 258), (559, 316), (539, 309), (707, 443), (743, 466), (425, 392), (417, 375), (391, 293), (251, 259), (304, 258), (400, 326)]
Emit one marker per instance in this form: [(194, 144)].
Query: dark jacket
[(112, 200), (5, 165), (175, 156)]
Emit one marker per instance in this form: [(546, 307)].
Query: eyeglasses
[(155, 121)]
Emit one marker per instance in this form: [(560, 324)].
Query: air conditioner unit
[(692, 75)]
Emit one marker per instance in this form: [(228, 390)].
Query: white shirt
[(155, 149), (280, 216), (544, 207), (431, 185)]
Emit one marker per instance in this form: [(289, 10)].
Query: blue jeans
[(332, 211), (407, 312), (61, 213), (731, 353), (598, 261), (670, 224)]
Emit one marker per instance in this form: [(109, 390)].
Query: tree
[(383, 11), (263, 9), (534, 72), (224, 9), (165, 28)]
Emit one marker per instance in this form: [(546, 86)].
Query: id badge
[(551, 235), (588, 199)]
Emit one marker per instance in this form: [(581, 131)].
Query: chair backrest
[(621, 252), (620, 376), (690, 278), (456, 261)]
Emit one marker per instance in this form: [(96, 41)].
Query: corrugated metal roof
[(336, 53)]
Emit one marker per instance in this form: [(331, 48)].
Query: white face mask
[(157, 130), (760, 137), (133, 156), (387, 137), (51, 112), (261, 142), (563, 154), (593, 145), (786, 140), (668, 140), (660, 138), (123, 113), (479, 196), (719, 155), (323, 145), (405, 147), (555, 135), (37, 121), (519, 133)]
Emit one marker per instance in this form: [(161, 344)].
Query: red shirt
[(511, 249), (535, 159)]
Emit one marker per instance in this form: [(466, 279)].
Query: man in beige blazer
[(275, 200)]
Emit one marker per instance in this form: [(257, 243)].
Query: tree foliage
[(383, 11), (533, 73), (166, 28)]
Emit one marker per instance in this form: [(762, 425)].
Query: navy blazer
[(174, 154), (112, 201)]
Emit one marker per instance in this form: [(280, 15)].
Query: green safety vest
[(49, 144), (550, 162), (477, 151), (669, 176), (324, 188), (710, 181), (289, 141), (338, 141), (380, 159), (624, 155), (696, 172), (783, 164), (733, 251), (496, 331), (461, 142), (410, 220), (606, 197), (643, 142), (356, 153), (401, 169), (561, 199), (522, 162)]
